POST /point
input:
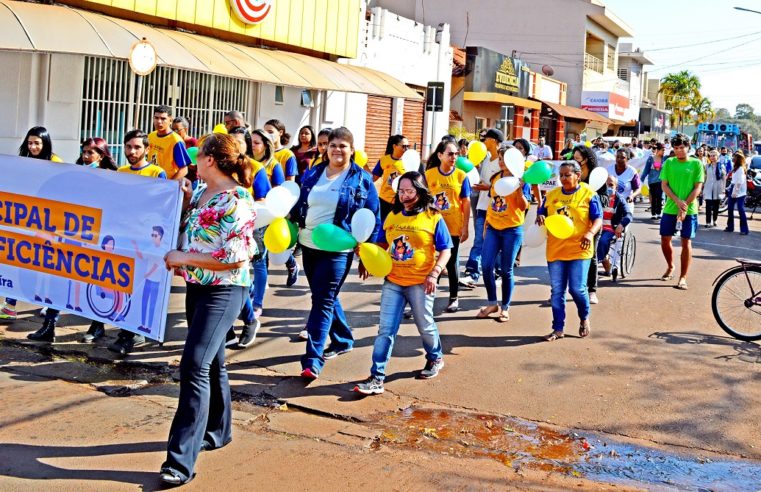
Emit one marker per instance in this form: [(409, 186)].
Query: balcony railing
[(593, 63)]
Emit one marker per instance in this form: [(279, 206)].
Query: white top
[(488, 169), (544, 152), (156, 258), (624, 180), (739, 183), (322, 202), (713, 188)]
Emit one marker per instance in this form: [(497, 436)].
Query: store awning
[(28, 26), (578, 114), (496, 97)]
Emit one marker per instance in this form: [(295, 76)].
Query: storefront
[(654, 123), (493, 92), (560, 122), (76, 79)]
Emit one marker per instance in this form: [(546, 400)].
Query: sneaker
[(332, 353), (408, 313), (370, 386), (231, 340), (593, 298), (467, 281), (303, 335), (248, 335), (96, 331), (454, 306), (125, 343), (432, 368), (293, 276), (310, 374), (653, 217), (8, 313)]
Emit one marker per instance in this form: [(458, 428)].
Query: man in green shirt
[(682, 179)]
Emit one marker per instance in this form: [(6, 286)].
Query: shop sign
[(505, 78), (251, 11)]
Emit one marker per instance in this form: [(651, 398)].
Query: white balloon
[(597, 178), (280, 201), (535, 236), (506, 186), (362, 224), (279, 258), (605, 157), (263, 215), (292, 187), (473, 177), (515, 162), (411, 160), (395, 183)]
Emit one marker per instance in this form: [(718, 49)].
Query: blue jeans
[(204, 412), (568, 275), (473, 265), (150, 296), (506, 244), (393, 299), (247, 314), (261, 273), (326, 273), (603, 247), (738, 202)]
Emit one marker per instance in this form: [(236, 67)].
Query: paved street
[(657, 369)]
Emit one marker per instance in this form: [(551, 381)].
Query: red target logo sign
[(251, 11)]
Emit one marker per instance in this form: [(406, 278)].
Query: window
[(623, 74), (611, 57), (480, 124), (506, 119), (114, 100), (279, 94), (306, 99)]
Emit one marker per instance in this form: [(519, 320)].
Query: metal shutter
[(377, 127), (412, 125)]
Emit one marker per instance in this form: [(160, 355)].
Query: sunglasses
[(450, 154), (154, 235), (405, 147)]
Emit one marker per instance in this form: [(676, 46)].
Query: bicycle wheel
[(736, 302), (630, 253)]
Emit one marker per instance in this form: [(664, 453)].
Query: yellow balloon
[(559, 226), (277, 237), (645, 190), (375, 259), (360, 157), (476, 152), (587, 144), (220, 128)]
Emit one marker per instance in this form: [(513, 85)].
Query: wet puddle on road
[(519, 443)]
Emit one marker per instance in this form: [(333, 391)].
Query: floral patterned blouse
[(224, 227)]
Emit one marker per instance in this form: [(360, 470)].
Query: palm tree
[(679, 90), (701, 110)]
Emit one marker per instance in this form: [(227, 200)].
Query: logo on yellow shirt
[(442, 202), (402, 250), (498, 204)]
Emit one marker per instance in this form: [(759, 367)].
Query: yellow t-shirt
[(287, 161), (256, 166), (161, 152), (55, 158), (412, 246), (505, 211), (150, 170), (388, 169), (446, 190), (315, 161), (575, 206)]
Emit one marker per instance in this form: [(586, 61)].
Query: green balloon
[(294, 230), (463, 163), (538, 173), (330, 237), (193, 153)]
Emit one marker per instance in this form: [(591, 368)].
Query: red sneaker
[(310, 374)]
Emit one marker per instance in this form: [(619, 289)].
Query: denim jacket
[(357, 192)]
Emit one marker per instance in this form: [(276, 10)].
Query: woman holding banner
[(214, 259)]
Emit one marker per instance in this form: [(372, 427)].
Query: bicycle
[(736, 300)]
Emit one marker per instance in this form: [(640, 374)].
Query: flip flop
[(682, 284), (669, 275), (555, 335), (485, 311), (503, 317)]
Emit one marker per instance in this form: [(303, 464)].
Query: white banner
[(88, 242)]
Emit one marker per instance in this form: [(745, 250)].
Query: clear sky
[(708, 37)]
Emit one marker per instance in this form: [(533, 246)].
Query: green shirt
[(681, 178)]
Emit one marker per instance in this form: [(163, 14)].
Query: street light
[(747, 10)]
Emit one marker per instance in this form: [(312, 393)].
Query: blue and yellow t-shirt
[(149, 170), (315, 161), (388, 169), (288, 162), (583, 207), (274, 171), (505, 211), (261, 184), (448, 190), (413, 241), (168, 152)]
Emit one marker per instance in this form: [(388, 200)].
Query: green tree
[(744, 112), (701, 110), (680, 90), (722, 114)]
